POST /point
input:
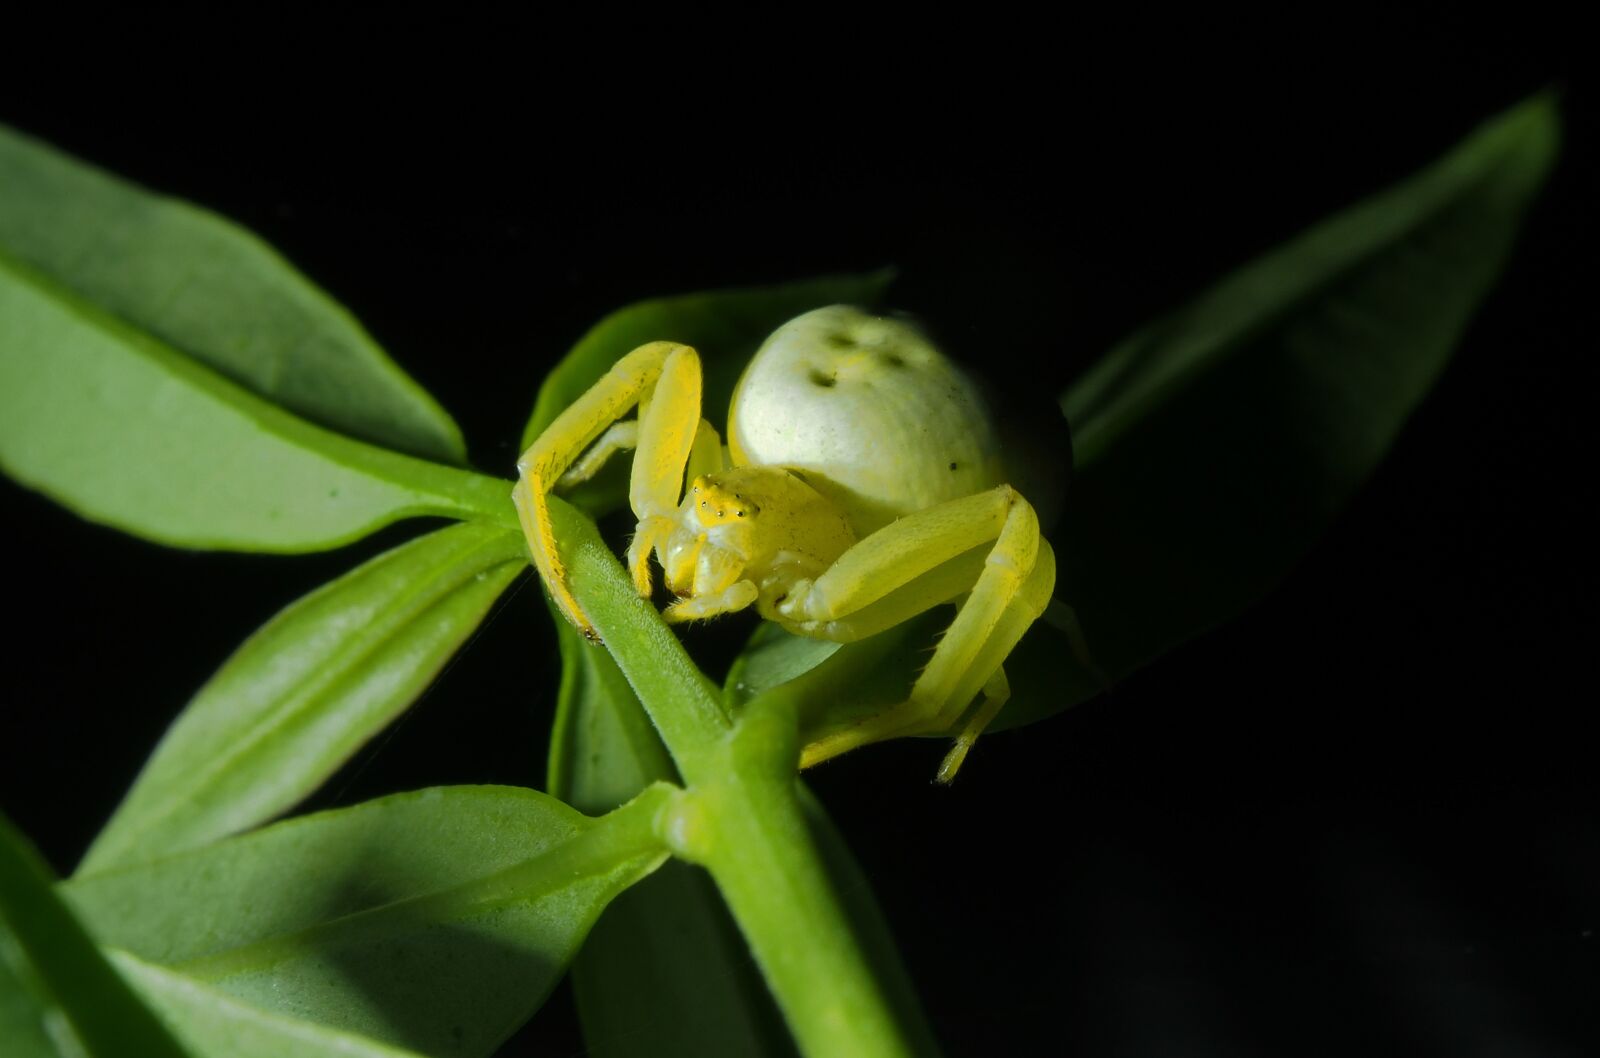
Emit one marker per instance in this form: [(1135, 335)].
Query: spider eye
[(739, 513)]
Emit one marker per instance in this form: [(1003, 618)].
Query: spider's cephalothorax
[(748, 535), (861, 486)]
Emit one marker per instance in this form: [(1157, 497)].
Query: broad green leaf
[(58, 995), (211, 1022), (214, 291), (126, 431), (435, 920), (724, 326), (670, 963), (1216, 445), (307, 690)]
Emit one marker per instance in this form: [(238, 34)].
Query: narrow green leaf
[(665, 971), (724, 326), (215, 292), (126, 431), (1367, 304), (435, 920), (307, 690), (211, 1022), (58, 995), (1216, 445)]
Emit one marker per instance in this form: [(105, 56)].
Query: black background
[(1359, 819)]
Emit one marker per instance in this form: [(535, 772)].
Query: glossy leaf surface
[(213, 291), (58, 995), (307, 690), (125, 431), (212, 1023), (436, 920)]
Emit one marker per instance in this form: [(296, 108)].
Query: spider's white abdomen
[(877, 419)]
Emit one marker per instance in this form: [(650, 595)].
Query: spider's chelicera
[(860, 486)]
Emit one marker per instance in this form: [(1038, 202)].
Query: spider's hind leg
[(1008, 594), (1019, 615), (995, 694)]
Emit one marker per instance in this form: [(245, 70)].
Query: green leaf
[(214, 291), (211, 1022), (58, 995), (724, 326), (1368, 303), (307, 690), (665, 971), (124, 430), (1214, 446), (435, 920), (27, 1015)]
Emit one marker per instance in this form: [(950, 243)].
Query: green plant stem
[(684, 706), (741, 817), (746, 826)]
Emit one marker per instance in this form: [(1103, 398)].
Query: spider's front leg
[(663, 379), (915, 563)]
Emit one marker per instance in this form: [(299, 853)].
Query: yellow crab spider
[(861, 486)]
